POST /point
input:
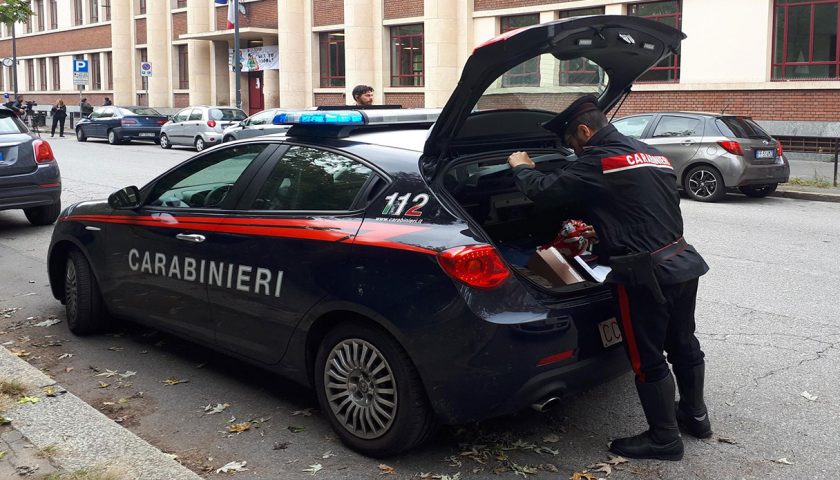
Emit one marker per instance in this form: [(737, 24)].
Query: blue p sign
[(80, 66)]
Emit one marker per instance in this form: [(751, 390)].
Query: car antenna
[(623, 98), (725, 108)]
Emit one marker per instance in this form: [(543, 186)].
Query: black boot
[(692, 415), (662, 441)]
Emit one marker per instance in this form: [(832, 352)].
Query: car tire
[(82, 298), (80, 135), (704, 183), (393, 414), (113, 138), (164, 142), (227, 138), (758, 191), (199, 144), (45, 215)]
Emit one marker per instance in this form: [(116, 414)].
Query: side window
[(181, 116), (206, 181), (97, 112), (261, 118), (633, 127), (106, 113), (671, 126), (306, 179), (196, 114)]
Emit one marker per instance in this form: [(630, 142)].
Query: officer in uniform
[(627, 190)]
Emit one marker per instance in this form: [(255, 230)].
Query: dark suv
[(29, 176)]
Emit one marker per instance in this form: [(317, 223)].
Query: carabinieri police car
[(379, 256)]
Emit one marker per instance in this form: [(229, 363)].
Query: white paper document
[(598, 272)]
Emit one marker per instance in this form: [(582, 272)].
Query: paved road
[(768, 317), (812, 170)]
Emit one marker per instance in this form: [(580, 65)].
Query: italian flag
[(231, 16)]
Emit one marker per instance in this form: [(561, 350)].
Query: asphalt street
[(768, 317)]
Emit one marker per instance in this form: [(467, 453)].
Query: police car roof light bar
[(351, 117)]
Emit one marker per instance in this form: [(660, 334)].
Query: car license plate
[(765, 154), (147, 134), (610, 334)]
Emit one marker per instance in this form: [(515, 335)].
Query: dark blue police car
[(379, 256)]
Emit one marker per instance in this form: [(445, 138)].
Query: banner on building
[(257, 58)]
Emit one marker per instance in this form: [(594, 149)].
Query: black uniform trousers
[(649, 328)]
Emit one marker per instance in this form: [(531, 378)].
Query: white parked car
[(199, 127)]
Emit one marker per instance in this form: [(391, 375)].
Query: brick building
[(772, 59)]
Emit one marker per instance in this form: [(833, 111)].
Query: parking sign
[(145, 69), (80, 66)]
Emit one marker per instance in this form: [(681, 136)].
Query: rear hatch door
[(16, 154), (572, 55), (758, 146)]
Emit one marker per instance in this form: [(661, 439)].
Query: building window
[(579, 71), (53, 14), (332, 59), (181, 4), (95, 72), (77, 12), (109, 70), (183, 67), (805, 40), (42, 74), (94, 11), (526, 74), (407, 56), (56, 74), (142, 6), (30, 75), (39, 12), (669, 13)]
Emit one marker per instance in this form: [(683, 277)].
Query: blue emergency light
[(332, 117)]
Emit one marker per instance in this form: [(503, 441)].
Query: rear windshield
[(139, 111), (10, 124), (740, 127), (226, 114)]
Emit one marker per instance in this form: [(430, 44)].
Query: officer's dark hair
[(595, 120), (360, 90)]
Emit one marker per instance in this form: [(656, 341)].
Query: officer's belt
[(669, 251)]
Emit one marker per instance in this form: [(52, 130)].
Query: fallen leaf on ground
[(617, 460), (49, 391), (20, 353), (232, 467), (306, 412), (727, 440), (604, 468), (128, 373), (108, 373), (313, 469), (104, 385), (239, 427), (174, 381), (68, 369), (551, 438), (783, 461), (23, 400), (386, 470), (809, 396), (4, 420), (327, 454), (47, 323), (295, 429), (3, 454), (65, 355), (548, 467), (210, 409), (583, 476)]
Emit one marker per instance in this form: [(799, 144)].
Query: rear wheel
[(758, 191), (113, 138), (164, 141), (45, 215), (704, 183), (370, 391), (80, 135), (227, 138), (83, 300), (199, 144)]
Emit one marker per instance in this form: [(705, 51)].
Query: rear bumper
[(764, 174), (35, 189), (212, 137), (139, 133)]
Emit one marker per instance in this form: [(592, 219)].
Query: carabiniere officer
[(627, 190)]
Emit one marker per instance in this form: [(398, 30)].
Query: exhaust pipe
[(545, 404)]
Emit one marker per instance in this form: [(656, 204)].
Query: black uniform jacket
[(627, 190)]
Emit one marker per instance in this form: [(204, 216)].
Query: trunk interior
[(484, 188)]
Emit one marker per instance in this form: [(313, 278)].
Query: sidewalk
[(59, 433)]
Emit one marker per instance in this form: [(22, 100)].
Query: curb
[(803, 195), (84, 438)]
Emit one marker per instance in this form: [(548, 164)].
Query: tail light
[(211, 123), (162, 121), (43, 151), (732, 147), (478, 266), (128, 121), (779, 150)]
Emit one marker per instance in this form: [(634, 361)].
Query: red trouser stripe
[(630, 336)]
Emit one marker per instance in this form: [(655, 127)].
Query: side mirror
[(243, 123), (127, 198)]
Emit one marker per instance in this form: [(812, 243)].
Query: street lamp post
[(237, 66), (14, 61)]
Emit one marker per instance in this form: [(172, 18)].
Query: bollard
[(836, 154)]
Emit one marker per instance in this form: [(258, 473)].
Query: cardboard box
[(551, 264)]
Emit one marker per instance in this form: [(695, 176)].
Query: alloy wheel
[(361, 388), (71, 287), (702, 184)]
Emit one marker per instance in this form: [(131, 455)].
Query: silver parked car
[(712, 152), (199, 127), (256, 125)]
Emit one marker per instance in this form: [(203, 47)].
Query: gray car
[(199, 127), (256, 125), (712, 152)]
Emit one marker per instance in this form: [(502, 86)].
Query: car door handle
[(190, 237), (686, 143)]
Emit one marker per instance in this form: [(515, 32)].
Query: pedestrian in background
[(363, 95), (107, 102), (85, 108), (59, 114)]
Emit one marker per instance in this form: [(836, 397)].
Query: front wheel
[(45, 215), (199, 144), (371, 392), (80, 135), (704, 183), (758, 191), (164, 142), (82, 298)]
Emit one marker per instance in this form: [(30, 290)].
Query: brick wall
[(497, 4), (553, 102), (407, 100), (801, 105), (180, 100), (140, 31), (262, 14), (70, 99), (327, 12), (179, 25), (329, 99), (403, 8), (52, 43)]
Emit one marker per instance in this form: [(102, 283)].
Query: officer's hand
[(520, 158)]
